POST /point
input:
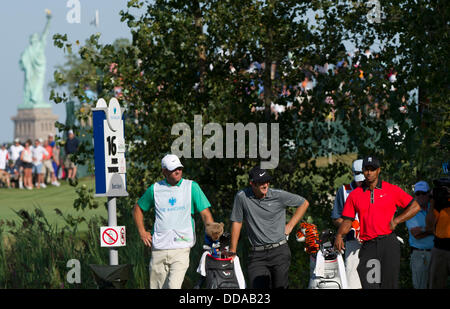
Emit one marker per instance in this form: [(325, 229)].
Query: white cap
[(70, 132), (357, 167), (421, 186), (171, 162)]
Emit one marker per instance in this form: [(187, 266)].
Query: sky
[(21, 18)]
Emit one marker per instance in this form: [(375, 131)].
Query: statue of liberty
[(33, 63)]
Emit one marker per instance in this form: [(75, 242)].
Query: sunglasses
[(370, 168), (419, 193), (262, 182), (177, 169), (357, 173)]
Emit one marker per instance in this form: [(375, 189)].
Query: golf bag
[(328, 268), (216, 269)]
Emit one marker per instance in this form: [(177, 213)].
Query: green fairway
[(47, 200)]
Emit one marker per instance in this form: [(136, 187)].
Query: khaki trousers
[(168, 267), (47, 170)]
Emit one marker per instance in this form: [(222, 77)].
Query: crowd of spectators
[(34, 165), (350, 63)]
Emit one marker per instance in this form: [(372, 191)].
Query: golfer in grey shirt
[(263, 210)]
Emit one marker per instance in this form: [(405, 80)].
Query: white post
[(112, 221)]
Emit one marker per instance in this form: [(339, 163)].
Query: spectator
[(306, 84), (71, 148), (48, 172), (47, 168), (26, 157), (4, 156), (15, 150), (56, 160), (420, 240), (51, 140), (4, 178), (14, 174), (438, 221), (38, 155)]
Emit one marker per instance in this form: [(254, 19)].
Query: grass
[(48, 200), (34, 253), (343, 158)]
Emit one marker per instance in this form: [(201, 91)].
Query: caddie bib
[(347, 190), (173, 224), (355, 224)]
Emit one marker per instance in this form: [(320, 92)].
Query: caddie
[(352, 243), (175, 201)]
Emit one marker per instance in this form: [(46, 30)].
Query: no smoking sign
[(112, 236)]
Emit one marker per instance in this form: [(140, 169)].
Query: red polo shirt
[(375, 208)]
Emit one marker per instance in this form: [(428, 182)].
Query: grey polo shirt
[(264, 219)]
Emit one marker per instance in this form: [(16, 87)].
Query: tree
[(417, 33)]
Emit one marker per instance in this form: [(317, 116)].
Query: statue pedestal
[(34, 123)]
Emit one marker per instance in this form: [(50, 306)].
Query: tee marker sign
[(110, 169), (109, 149)]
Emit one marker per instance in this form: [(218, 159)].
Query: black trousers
[(379, 263), (268, 269)]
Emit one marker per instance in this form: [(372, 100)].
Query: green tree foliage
[(191, 58)]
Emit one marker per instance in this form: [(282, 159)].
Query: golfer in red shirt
[(376, 203)]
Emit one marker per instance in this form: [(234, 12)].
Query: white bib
[(173, 223), (347, 191)]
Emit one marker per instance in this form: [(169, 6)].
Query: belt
[(269, 246), (377, 238), (414, 248)]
